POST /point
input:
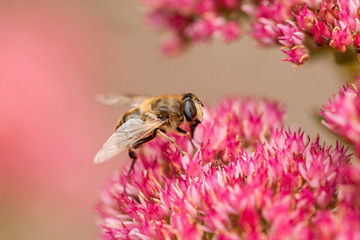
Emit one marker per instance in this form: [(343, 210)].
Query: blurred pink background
[(54, 57)]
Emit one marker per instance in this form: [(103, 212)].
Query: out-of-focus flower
[(248, 179), (342, 114), (51, 60), (202, 29), (171, 46), (297, 55), (335, 23), (231, 31)]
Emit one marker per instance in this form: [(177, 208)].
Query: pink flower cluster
[(248, 179), (194, 21), (299, 26), (342, 115)]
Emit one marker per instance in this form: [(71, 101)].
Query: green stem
[(349, 62)]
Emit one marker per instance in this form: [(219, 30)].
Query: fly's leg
[(192, 129), (170, 140), (132, 154), (182, 131)]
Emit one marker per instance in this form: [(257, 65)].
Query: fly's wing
[(126, 135), (117, 100)]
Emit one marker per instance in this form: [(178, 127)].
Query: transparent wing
[(126, 135), (117, 100)]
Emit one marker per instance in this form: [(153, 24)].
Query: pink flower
[(321, 32), (265, 32), (342, 114), (229, 4), (248, 179), (206, 6), (172, 46), (291, 35), (341, 39), (350, 21), (203, 29), (285, 23), (304, 18), (297, 55), (328, 11), (230, 31), (349, 14)]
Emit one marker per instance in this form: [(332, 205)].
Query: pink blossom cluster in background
[(249, 179), (299, 26), (342, 115)]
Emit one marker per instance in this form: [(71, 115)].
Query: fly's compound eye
[(190, 111)]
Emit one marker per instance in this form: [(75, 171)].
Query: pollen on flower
[(248, 179)]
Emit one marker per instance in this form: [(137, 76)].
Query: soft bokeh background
[(56, 55)]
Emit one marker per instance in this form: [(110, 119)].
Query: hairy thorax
[(168, 108)]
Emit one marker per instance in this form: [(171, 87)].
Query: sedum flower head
[(294, 25), (248, 179), (342, 114)]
